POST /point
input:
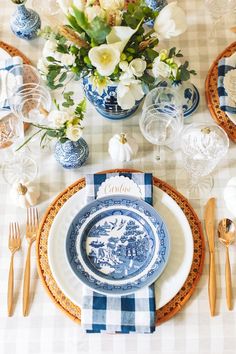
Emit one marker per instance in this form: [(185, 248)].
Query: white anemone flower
[(105, 58), (128, 92), (171, 21), (137, 67)]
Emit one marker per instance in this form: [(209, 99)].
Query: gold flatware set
[(14, 244), (226, 234)]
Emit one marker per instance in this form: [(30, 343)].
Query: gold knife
[(209, 218)]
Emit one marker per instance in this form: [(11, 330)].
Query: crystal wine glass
[(217, 10), (161, 125), (203, 147), (16, 167)]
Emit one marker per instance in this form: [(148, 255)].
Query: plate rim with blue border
[(85, 270)]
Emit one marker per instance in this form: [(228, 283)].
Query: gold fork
[(14, 244), (31, 233)]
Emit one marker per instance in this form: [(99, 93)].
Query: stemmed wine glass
[(217, 10), (203, 147), (162, 120), (16, 168)]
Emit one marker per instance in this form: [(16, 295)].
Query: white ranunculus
[(73, 132), (105, 58), (58, 118), (137, 67), (67, 59), (93, 11), (66, 5), (171, 21), (112, 4), (159, 68), (128, 92)]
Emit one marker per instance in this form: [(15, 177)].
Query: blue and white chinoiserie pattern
[(25, 23), (189, 94), (117, 245), (71, 154), (106, 102)]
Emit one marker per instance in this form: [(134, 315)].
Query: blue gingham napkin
[(5, 66), (226, 104), (119, 314)]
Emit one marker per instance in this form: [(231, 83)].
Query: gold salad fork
[(14, 244), (31, 233)]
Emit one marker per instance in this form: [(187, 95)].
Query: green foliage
[(97, 29)]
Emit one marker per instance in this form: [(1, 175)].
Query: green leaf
[(172, 52), (74, 24), (63, 77), (61, 48), (52, 133), (50, 59), (98, 29), (148, 79), (63, 140)]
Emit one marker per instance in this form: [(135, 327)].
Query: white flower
[(49, 48), (93, 11), (120, 35), (128, 92), (171, 21), (67, 59), (112, 4), (114, 17), (66, 5), (137, 67), (58, 118), (105, 58), (160, 68), (123, 65), (73, 132)]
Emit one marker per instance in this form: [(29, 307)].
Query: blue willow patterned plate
[(117, 245)]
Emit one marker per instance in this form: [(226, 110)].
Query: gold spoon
[(227, 234)]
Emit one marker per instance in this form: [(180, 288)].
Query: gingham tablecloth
[(47, 330)]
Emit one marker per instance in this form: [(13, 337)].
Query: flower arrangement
[(109, 41), (63, 123)]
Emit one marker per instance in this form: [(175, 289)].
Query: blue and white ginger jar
[(25, 23), (71, 154), (106, 103)]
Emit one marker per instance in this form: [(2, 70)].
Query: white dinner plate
[(176, 271)]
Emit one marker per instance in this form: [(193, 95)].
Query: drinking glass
[(217, 10), (203, 147), (16, 167)]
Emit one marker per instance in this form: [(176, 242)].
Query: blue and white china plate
[(117, 245)]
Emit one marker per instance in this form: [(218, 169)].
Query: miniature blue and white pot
[(188, 92), (71, 154), (25, 23), (106, 103)]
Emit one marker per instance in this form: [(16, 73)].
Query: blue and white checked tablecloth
[(5, 66), (119, 314), (226, 104)]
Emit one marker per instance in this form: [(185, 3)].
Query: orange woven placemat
[(212, 95), (72, 310)]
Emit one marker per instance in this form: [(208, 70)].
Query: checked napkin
[(5, 66), (119, 314), (226, 104)]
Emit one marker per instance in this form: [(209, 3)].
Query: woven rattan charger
[(212, 98), (72, 310)]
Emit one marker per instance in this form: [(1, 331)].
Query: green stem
[(27, 140)]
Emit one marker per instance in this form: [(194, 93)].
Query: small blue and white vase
[(25, 23), (71, 154), (188, 92), (106, 103)]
